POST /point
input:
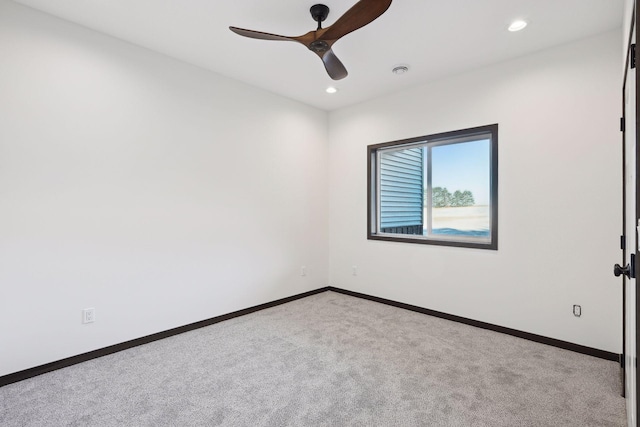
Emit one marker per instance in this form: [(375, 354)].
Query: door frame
[(624, 199), (625, 249), (636, 185)]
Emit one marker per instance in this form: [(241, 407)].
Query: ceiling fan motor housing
[(319, 46)]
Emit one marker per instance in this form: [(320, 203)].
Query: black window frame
[(434, 140)]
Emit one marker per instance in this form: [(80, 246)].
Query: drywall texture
[(559, 191), (153, 191)]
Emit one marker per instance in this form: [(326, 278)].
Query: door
[(630, 228)]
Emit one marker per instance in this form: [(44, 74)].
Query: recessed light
[(517, 25), (400, 69), (331, 89)]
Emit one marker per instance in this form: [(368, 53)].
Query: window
[(438, 189)]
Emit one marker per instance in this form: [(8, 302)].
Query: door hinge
[(632, 267), (623, 244), (633, 56), (621, 124)]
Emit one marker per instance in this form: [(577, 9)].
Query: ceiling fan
[(321, 40)]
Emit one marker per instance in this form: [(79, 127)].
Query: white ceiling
[(434, 37)]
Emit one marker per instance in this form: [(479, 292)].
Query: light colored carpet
[(326, 360)]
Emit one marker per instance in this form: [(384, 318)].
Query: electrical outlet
[(354, 270), (303, 270), (88, 315), (577, 310)]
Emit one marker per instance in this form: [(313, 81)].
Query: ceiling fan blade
[(333, 65), (260, 35), (361, 14)]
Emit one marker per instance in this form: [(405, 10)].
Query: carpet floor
[(326, 360)]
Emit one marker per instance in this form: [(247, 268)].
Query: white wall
[(559, 191), (156, 192)]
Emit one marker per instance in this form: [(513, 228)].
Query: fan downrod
[(319, 13)]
